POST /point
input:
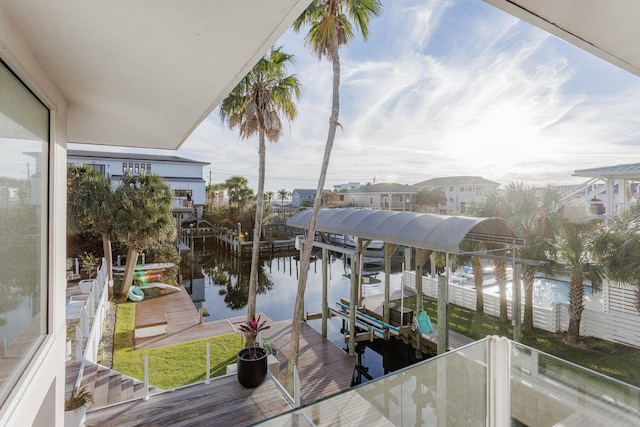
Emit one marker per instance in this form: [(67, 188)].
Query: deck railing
[(492, 382), (92, 314), (612, 326)]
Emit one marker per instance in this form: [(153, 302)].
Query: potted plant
[(252, 360), (75, 407)]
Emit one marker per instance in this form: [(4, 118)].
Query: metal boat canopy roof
[(427, 231)]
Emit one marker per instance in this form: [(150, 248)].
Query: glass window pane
[(24, 136)]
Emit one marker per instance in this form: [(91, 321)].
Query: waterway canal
[(220, 284)]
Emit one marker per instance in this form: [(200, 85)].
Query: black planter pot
[(252, 372)]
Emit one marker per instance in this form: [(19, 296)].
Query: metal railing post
[(78, 344), (296, 388), (146, 377), (207, 381)]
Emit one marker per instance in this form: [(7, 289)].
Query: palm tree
[(254, 106), (536, 216), (143, 215), (476, 266), (283, 194), (332, 24), (239, 193), (268, 195), (617, 248), (497, 205), (573, 253), (90, 205)]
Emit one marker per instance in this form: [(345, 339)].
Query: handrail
[(91, 316)]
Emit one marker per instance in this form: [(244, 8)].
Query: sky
[(441, 88)]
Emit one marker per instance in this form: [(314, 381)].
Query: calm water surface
[(221, 282)]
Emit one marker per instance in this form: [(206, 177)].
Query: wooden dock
[(228, 239), (183, 320)]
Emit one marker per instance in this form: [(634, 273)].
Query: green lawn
[(174, 365), (615, 360)]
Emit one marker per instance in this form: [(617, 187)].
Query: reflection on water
[(221, 283)]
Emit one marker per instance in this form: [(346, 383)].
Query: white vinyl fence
[(612, 326)]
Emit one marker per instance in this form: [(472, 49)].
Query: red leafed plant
[(250, 329)]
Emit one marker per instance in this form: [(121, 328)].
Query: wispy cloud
[(443, 88)]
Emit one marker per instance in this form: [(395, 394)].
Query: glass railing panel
[(447, 390), (547, 391)]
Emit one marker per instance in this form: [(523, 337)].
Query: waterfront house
[(460, 191), (112, 73), (183, 176), (392, 196), (299, 196)]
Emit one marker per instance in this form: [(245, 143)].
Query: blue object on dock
[(424, 323)]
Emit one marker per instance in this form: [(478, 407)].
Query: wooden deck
[(223, 402), (324, 368), (182, 320)]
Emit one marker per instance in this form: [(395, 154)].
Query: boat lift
[(375, 327)]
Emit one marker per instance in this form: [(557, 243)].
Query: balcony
[(492, 382), (181, 204)]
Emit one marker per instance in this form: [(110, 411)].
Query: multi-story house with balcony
[(183, 176), (391, 196), (460, 191)]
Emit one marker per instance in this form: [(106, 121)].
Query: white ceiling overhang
[(608, 29), (146, 73)]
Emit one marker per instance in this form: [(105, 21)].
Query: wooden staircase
[(109, 386)]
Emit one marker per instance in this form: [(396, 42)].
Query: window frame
[(45, 245)]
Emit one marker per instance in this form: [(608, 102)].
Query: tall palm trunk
[(478, 280), (129, 269), (576, 306), (500, 270), (257, 231), (528, 277), (311, 231), (638, 296)]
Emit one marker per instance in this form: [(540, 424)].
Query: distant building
[(390, 196), (460, 191), (183, 176), (345, 187), (614, 187), (299, 196)]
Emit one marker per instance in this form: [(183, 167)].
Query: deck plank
[(324, 368), (222, 402)]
